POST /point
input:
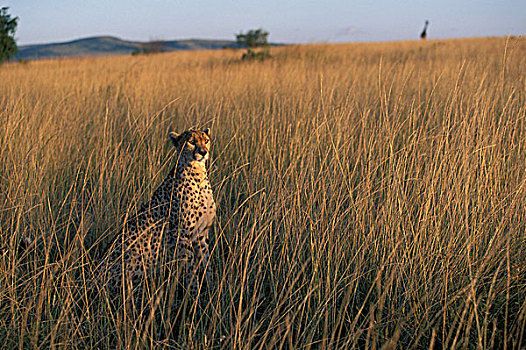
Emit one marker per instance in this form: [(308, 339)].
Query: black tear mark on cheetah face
[(192, 145)]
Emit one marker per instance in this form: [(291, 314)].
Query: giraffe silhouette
[(423, 36)]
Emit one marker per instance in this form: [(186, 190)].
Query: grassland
[(369, 195)]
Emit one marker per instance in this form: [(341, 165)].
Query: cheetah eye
[(192, 142)]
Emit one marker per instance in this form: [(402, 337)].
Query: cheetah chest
[(206, 210), (198, 207)]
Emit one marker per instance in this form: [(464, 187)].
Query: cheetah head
[(192, 145)]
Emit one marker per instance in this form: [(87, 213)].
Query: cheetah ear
[(207, 131), (174, 137)]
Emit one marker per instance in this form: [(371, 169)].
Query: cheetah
[(173, 225)]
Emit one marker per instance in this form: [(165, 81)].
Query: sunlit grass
[(368, 195)]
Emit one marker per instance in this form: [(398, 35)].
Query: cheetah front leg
[(185, 255), (202, 253)]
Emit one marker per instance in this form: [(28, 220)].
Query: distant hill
[(108, 45)]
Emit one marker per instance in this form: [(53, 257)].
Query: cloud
[(349, 31)]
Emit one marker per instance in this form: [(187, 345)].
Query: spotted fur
[(173, 226)]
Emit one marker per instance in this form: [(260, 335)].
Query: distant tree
[(251, 40), (8, 25), (151, 47)]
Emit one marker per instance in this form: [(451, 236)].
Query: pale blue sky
[(288, 21)]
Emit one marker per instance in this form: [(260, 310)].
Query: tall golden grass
[(369, 195)]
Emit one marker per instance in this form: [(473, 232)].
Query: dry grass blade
[(369, 195)]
